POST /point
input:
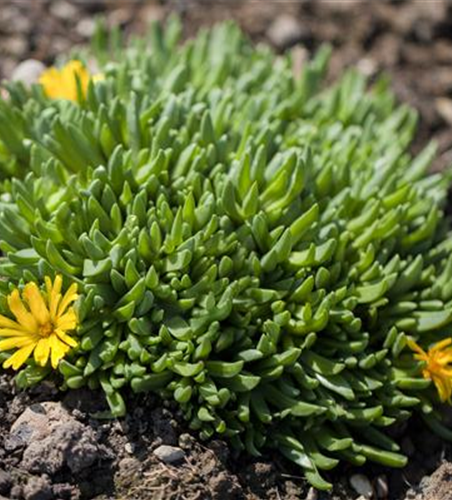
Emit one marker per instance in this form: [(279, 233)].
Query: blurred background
[(411, 40)]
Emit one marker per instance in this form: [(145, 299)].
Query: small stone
[(285, 31), (312, 494), (185, 441), (119, 17), (367, 66), (130, 448), (28, 71), (5, 482), (85, 27), (15, 46), (381, 487), (361, 485), (444, 108), (152, 12), (169, 454), (63, 10)]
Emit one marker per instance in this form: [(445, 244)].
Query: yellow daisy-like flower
[(438, 366), (41, 326), (62, 83)]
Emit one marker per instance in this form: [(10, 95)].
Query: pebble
[(312, 494), (444, 108), (285, 31), (28, 71), (361, 485), (169, 454), (86, 27), (185, 441), (64, 10), (367, 66), (381, 487), (15, 46), (129, 448)]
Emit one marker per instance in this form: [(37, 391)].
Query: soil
[(51, 447)]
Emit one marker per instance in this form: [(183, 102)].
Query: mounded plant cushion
[(245, 241)]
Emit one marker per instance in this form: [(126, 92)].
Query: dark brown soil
[(42, 459)]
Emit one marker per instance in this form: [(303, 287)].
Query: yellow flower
[(42, 321), (62, 83), (438, 366)]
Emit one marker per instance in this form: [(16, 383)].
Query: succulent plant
[(250, 243)]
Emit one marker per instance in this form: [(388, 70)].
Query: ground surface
[(50, 446)]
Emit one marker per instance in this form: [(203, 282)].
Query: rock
[(381, 487), (151, 12), (169, 454), (64, 10), (186, 441), (444, 108), (85, 27), (312, 494), (285, 31), (28, 71), (5, 482), (54, 439), (129, 448), (38, 488), (119, 17), (437, 486), (15, 46), (367, 66), (361, 485)]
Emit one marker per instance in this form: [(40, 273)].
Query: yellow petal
[(68, 298), (65, 338), (19, 357), (67, 321), (58, 350), (6, 345), (42, 351), (10, 332), (415, 347), (54, 294), (36, 303), (439, 346), (20, 312), (8, 323), (444, 388), (62, 84)]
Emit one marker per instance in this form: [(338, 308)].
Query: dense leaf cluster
[(250, 244)]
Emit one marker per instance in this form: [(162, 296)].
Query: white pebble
[(169, 454), (361, 485), (28, 71)]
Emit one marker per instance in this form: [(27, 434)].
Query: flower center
[(46, 329)]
